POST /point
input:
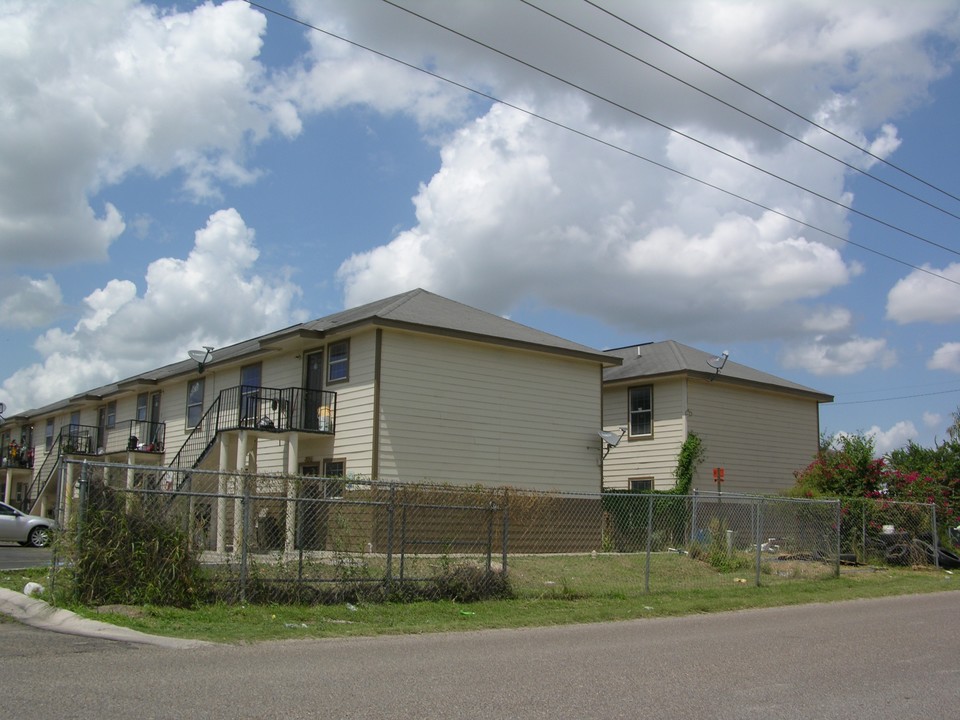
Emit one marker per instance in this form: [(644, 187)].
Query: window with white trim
[(338, 361), (641, 411), (194, 402)]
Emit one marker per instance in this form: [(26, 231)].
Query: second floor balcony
[(277, 409), (125, 436)]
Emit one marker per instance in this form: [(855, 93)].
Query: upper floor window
[(110, 414), (194, 402), (641, 411), (142, 400), (338, 361), (48, 435)]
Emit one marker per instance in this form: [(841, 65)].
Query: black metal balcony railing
[(259, 408), (139, 435), (16, 456), (78, 440), (277, 410)]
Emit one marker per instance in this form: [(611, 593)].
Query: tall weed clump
[(128, 550)]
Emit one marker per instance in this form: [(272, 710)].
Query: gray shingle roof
[(672, 358), (415, 310), (422, 310)]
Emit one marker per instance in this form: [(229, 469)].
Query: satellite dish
[(719, 361), (611, 438), (201, 356)]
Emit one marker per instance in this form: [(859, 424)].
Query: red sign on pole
[(718, 475)]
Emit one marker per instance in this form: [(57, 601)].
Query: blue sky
[(178, 175)]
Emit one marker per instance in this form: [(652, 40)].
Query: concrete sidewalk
[(39, 614)]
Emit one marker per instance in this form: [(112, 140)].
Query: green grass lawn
[(550, 590)]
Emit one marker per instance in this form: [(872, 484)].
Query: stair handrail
[(40, 479)]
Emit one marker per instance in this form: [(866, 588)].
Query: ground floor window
[(641, 485)]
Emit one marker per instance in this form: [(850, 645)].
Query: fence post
[(646, 569), (693, 518), (933, 535), (244, 535), (504, 533), (82, 496), (490, 537), (863, 532), (391, 505), (757, 536), (836, 562)]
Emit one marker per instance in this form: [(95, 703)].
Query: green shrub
[(467, 582), (126, 550)]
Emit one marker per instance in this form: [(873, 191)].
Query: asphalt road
[(885, 659), (14, 556)]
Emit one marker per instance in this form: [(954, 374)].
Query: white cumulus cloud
[(893, 438), (921, 297), (946, 357), (29, 302), (93, 91), (212, 297), (839, 356)]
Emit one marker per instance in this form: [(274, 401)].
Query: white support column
[(70, 483), (9, 485), (241, 467), (292, 450), (222, 491), (131, 476)]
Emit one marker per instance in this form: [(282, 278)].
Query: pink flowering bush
[(845, 467)]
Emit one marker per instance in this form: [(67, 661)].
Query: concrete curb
[(39, 614)]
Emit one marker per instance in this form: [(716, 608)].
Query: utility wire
[(593, 138), (774, 102), (733, 107), (682, 134), (901, 397)]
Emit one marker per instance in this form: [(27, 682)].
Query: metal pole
[(646, 569), (933, 534), (490, 537), (503, 534), (390, 513), (693, 518), (836, 563), (759, 510), (245, 507), (863, 531), (83, 495)]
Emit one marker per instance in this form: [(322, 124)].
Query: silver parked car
[(25, 529)]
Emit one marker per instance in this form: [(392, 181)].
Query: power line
[(774, 102), (593, 138), (743, 112), (890, 399), (671, 129)]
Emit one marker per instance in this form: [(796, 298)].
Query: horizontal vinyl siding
[(465, 413), (353, 440), (759, 438), (654, 457)]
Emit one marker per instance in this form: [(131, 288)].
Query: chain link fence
[(308, 539), (893, 533)]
